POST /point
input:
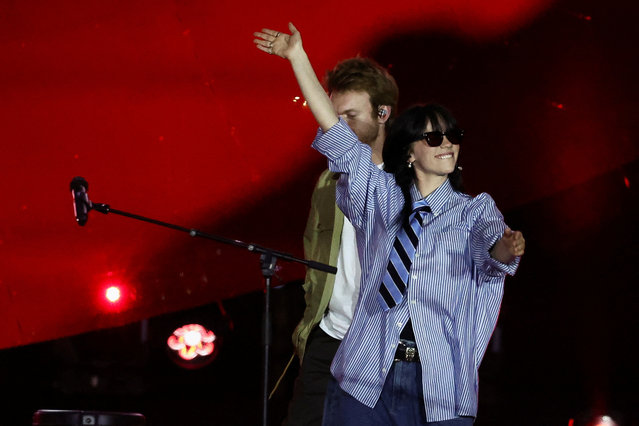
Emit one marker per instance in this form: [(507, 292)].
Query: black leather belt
[(407, 352)]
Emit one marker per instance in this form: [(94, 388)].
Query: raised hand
[(509, 246), (289, 46), (277, 43)]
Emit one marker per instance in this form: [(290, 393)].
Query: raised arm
[(289, 46)]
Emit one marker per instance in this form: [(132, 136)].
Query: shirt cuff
[(495, 268), (492, 267), (335, 142)]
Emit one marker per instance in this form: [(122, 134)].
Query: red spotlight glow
[(192, 345), (626, 181), (113, 294), (558, 105)]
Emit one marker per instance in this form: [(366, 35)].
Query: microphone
[(81, 203)]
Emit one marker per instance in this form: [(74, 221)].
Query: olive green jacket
[(322, 239)]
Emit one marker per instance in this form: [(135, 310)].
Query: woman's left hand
[(509, 246)]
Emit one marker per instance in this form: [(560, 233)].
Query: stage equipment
[(192, 346), (82, 418), (268, 259)]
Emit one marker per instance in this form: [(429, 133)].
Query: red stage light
[(113, 294), (558, 105)]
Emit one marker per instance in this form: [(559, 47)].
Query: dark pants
[(401, 403), (307, 406)]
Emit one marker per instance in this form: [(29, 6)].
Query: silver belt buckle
[(410, 353)]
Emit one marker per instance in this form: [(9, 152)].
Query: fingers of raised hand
[(270, 32), (265, 39), (268, 35)]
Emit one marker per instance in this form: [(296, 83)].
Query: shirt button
[(413, 302), (399, 324), (416, 254), (414, 276), (383, 370)]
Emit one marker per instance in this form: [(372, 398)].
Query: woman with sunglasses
[(433, 260)]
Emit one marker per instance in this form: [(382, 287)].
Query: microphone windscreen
[(78, 182)]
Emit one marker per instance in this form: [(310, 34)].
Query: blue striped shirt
[(454, 290)]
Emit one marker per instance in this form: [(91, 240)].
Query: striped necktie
[(395, 280)]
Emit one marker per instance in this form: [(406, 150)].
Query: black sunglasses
[(436, 138)]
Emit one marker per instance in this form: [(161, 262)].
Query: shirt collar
[(437, 199)]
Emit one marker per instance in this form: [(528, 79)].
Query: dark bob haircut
[(406, 129)]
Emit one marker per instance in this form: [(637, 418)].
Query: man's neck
[(377, 147)]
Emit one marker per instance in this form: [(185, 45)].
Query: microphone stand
[(268, 259)]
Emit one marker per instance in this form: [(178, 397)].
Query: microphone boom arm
[(105, 209)]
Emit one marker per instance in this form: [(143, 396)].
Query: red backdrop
[(169, 111)]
